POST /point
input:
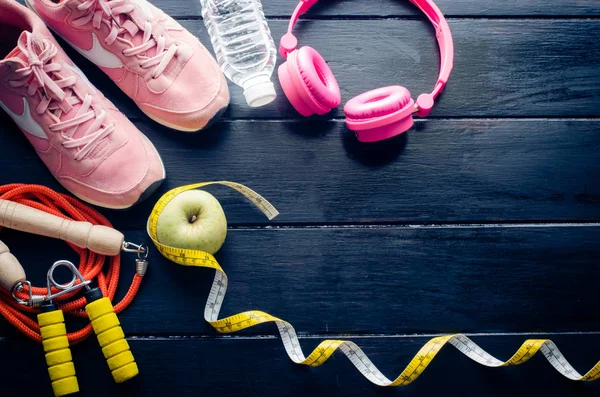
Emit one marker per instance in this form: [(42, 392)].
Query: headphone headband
[(425, 101)]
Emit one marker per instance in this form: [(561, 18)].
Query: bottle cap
[(259, 91)]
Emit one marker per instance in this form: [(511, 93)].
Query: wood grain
[(97, 238), (519, 71), (445, 171), (368, 280), (363, 9), (259, 367)]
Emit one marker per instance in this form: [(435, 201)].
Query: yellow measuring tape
[(326, 348)]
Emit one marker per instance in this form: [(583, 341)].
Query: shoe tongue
[(137, 17), (16, 53)]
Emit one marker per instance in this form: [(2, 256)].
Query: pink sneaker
[(161, 66), (88, 145)]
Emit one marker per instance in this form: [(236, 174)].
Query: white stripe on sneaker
[(98, 54), (25, 121)]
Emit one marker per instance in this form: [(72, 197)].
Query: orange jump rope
[(17, 305)]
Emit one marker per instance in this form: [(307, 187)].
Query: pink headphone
[(311, 87)]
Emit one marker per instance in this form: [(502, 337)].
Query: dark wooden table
[(484, 219)]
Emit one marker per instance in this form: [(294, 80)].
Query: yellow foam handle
[(112, 340), (58, 354)]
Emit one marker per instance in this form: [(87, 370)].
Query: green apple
[(193, 220)]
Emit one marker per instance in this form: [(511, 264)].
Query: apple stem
[(193, 219)]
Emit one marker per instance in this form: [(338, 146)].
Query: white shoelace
[(40, 76), (109, 12)]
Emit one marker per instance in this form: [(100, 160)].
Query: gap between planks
[(400, 225), (356, 336), (388, 225), (191, 337)]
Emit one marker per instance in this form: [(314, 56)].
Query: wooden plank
[(259, 367), (368, 280), (359, 9), (503, 68), (347, 8), (446, 171)]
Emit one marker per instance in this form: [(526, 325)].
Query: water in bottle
[(243, 45)]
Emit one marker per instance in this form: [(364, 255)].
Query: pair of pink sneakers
[(93, 150)]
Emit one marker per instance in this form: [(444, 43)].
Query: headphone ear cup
[(309, 83), (318, 77), (380, 114)]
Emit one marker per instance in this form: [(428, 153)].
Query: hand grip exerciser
[(110, 336), (54, 336), (104, 321), (58, 354), (97, 238)]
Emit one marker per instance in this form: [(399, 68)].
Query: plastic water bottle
[(244, 47)]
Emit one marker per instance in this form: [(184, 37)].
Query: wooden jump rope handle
[(11, 271), (97, 238)]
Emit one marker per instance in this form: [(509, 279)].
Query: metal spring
[(33, 300), (37, 300)]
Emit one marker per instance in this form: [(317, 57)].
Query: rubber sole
[(210, 123), (216, 117), (147, 193)]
